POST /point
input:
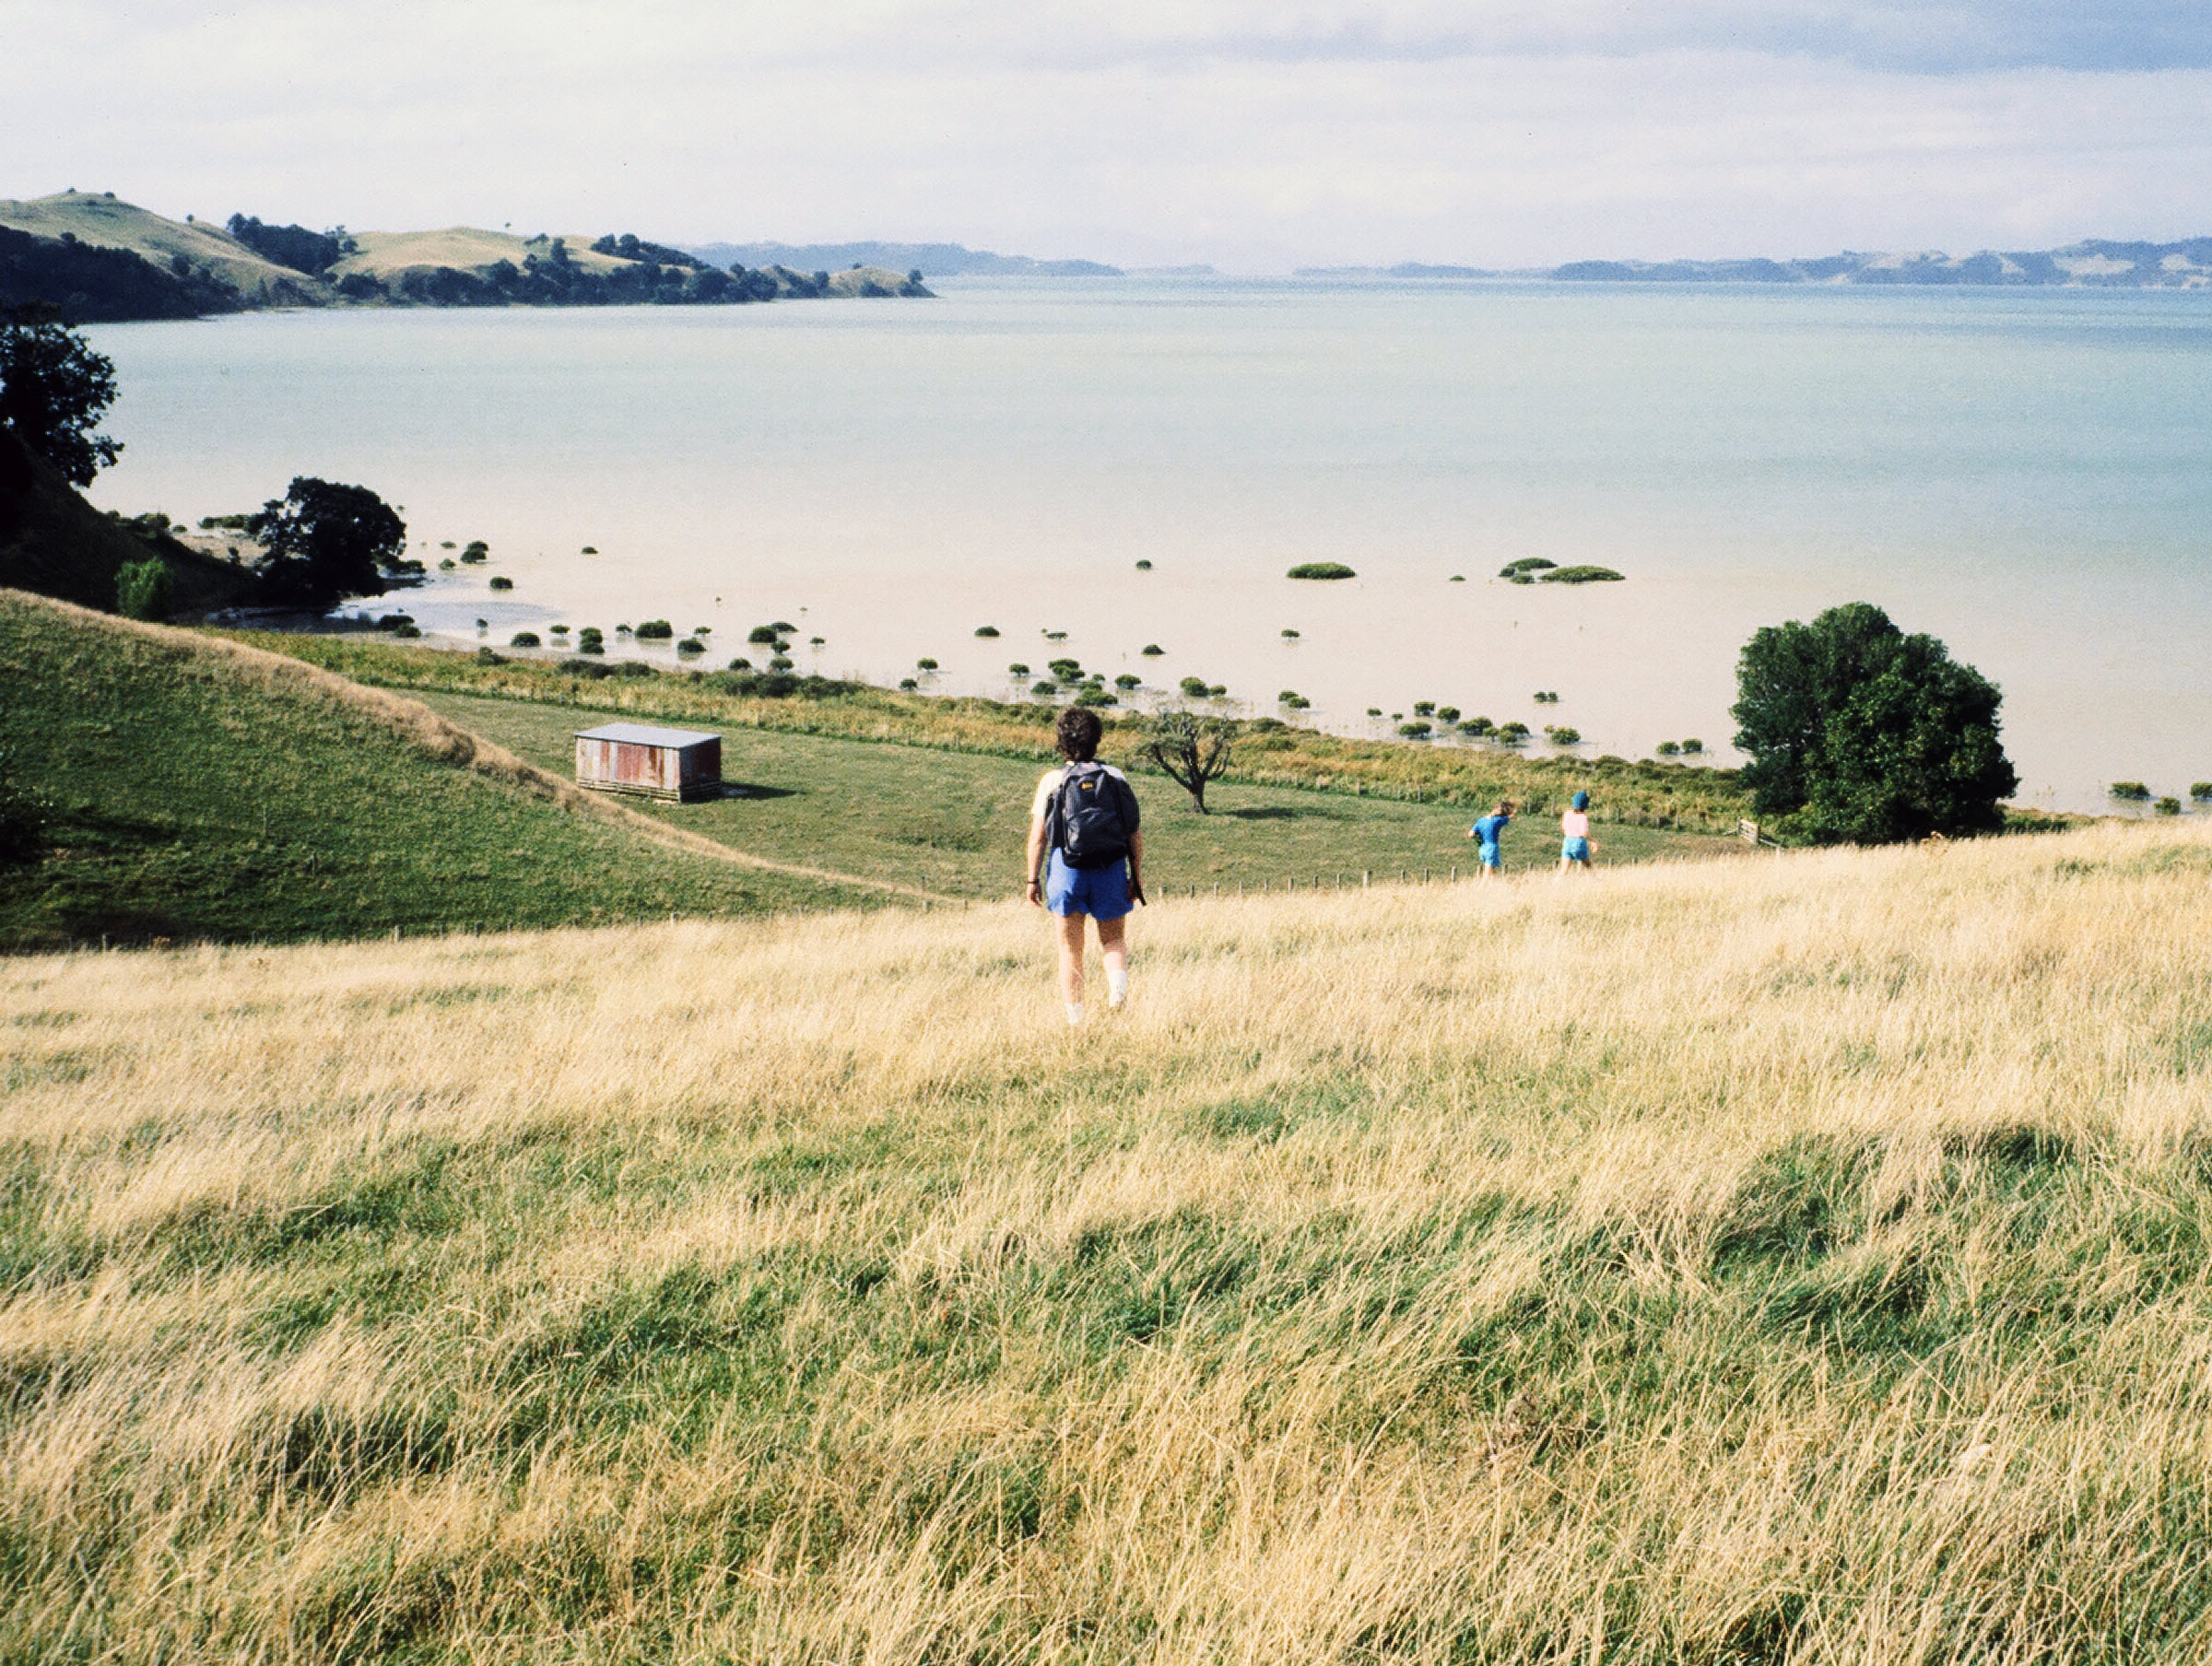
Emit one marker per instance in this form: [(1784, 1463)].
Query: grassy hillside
[(1644, 794), (389, 256), (52, 542), (99, 218), (202, 789), (1802, 1261), (954, 822)]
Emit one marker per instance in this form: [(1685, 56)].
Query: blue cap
[(1581, 800)]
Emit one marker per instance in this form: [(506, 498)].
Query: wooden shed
[(676, 764)]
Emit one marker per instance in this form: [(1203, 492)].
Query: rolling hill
[(200, 789)]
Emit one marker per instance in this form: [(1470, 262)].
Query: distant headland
[(99, 260), (931, 260), (2094, 263)]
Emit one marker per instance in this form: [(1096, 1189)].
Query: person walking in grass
[(1086, 856), (1491, 830), (1574, 829)]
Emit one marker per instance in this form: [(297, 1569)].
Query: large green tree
[(1863, 734), (322, 542), (54, 390)]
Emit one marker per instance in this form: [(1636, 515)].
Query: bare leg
[(1071, 956), (1114, 948)]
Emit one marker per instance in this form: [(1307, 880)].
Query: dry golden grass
[(1801, 1261)]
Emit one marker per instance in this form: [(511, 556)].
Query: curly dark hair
[(1077, 734)]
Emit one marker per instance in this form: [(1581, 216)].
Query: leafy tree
[(1865, 735), (54, 390), (1190, 749), (323, 542), (312, 253)]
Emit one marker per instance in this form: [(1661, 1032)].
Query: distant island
[(99, 260), (2092, 264), (931, 260)]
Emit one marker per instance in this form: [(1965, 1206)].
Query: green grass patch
[(954, 822)]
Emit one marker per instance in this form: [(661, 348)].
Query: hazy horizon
[(1255, 139)]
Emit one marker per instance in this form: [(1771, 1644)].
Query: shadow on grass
[(1285, 813)]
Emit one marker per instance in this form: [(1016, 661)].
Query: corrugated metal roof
[(643, 734)]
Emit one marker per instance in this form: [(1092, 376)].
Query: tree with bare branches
[(1190, 749)]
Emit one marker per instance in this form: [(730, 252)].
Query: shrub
[(761, 635), (1447, 714), (2200, 790), (1564, 736), (1193, 688), (591, 633), (591, 549), (1286, 695), (1054, 636), (2129, 789), (486, 657), (1479, 726), (562, 630), (500, 581), (1045, 690), (986, 630), (741, 663), (407, 631), (781, 662), (1513, 733), (1297, 702), (1218, 691), (660, 630), (143, 588), (815, 641), (1144, 566), (1128, 680), (1414, 731), (2169, 807), (1290, 636), (690, 645), (908, 684), (392, 621), (1526, 565), (1424, 709), (447, 543), (475, 554), (1670, 748), (1518, 578), (925, 664), (1096, 697), (1692, 747), (591, 645), (1017, 669), (702, 630), (781, 645), (1152, 650), (1459, 577), (1322, 570), (446, 565)]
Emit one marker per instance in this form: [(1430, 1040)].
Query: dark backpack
[(1093, 815)]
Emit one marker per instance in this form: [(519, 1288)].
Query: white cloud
[(1253, 135)]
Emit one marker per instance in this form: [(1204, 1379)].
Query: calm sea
[(2028, 476)]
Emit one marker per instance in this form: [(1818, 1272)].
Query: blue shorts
[(1576, 849), (1102, 893), (1489, 856)]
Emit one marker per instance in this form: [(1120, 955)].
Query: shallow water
[(2028, 476)]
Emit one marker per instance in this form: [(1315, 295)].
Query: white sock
[(1075, 1012), (1117, 987)]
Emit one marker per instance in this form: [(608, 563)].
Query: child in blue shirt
[(1491, 830)]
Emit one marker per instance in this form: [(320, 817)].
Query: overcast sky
[(1255, 134)]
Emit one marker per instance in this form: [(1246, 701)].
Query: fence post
[(1366, 877)]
